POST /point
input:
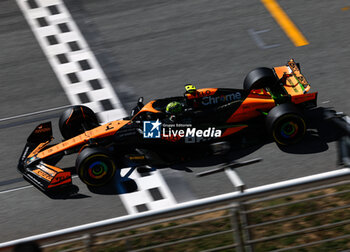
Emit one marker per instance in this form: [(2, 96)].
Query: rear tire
[(95, 167), (286, 124), (259, 78), (76, 120)]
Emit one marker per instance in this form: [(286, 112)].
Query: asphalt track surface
[(151, 49)]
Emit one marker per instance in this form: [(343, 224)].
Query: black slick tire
[(76, 120), (95, 166), (286, 124), (259, 78)]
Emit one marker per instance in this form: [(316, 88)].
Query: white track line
[(15, 189), (34, 113), (84, 82)]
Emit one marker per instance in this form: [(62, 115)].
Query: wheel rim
[(97, 170), (289, 129)]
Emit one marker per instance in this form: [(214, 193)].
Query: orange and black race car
[(168, 131)]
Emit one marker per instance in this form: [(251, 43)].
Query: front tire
[(76, 120), (286, 124), (95, 167)]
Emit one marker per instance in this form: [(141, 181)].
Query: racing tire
[(286, 124), (95, 167), (76, 120), (259, 78)]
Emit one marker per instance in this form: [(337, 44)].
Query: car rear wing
[(295, 84), (293, 80)]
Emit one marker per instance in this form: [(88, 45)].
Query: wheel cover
[(97, 170), (289, 129)]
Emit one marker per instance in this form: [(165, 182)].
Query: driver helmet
[(174, 107), (190, 88)]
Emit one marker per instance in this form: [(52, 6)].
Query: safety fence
[(315, 219), (307, 213), (304, 214)]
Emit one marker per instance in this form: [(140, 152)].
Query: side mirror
[(138, 107)]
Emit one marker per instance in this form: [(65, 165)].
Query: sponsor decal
[(209, 100), (151, 129), (191, 132), (43, 174), (200, 94), (293, 85), (65, 176), (176, 131), (41, 130), (109, 126)]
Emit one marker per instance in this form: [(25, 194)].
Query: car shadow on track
[(115, 188), (321, 131), (69, 192)]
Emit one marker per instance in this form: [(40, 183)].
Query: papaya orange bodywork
[(250, 108), (201, 93), (43, 175), (148, 108), (38, 148), (292, 86), (60, 179), (98, 132), (259, 93), (295, 82), (296, 99), (54, 168), (281, 70), (54, 175)]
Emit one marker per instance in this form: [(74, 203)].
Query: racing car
[(170, 130)]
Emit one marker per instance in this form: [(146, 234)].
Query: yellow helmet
[(174, 107), (190, 88)]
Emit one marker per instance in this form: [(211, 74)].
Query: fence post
[(237, 234), (88, 242), (245, 223)]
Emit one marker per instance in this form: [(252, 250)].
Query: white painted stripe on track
[(34, 113), (142, 199), (84, 82), (16, 189), (64, 71)]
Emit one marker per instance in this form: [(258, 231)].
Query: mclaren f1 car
[(167, 131)]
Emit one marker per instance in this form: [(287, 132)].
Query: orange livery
[(164, 132)]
